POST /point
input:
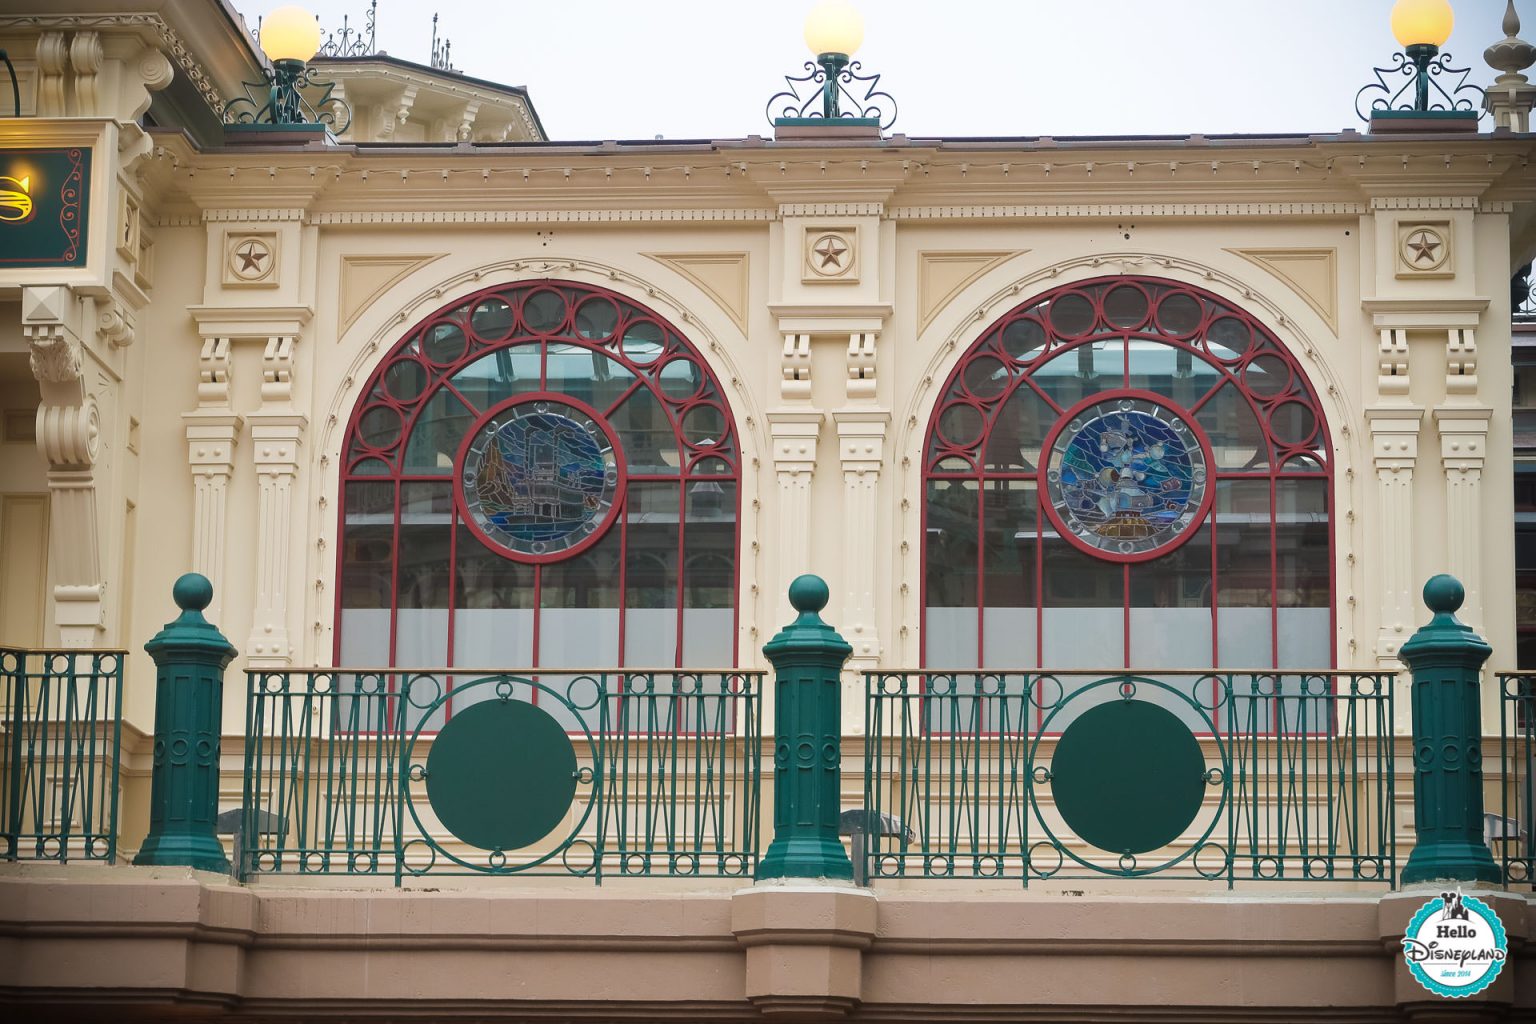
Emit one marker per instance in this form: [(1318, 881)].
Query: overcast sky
[(623, 69)]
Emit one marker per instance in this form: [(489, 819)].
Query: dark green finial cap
[(1444, 594), (1445, 635), (809, 593), (189, 634), (809, 634), (192, 592)]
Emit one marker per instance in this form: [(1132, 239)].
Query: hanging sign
[(43, 204)]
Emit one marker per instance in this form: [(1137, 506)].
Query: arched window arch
[(1127, 472), (542, 474)]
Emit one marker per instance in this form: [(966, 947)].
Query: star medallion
[(1423, 244), (831, 252)]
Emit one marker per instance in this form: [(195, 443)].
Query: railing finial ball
[(192, 592), (1444, 594)]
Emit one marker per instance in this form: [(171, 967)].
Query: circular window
[(1126, 477), (540, 479)]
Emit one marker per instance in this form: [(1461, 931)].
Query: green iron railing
[(1217, 776), (1514, 847), (409, 773), (60, 740)]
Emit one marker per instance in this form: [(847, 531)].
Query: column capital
[(1463, 436), (795, 433), (861, 439)]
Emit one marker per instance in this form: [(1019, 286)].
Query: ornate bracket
[(830, 91), (1421, 89)]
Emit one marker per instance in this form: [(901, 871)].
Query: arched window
[(541, 475), (1127, 472)]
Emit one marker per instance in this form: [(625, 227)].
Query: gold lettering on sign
[(15, 199)]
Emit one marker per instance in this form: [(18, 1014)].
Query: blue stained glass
[(1126, 476), (540, 479)]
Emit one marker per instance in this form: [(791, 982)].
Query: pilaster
[(861, 449), (277, 434), (213, 431), (1395, 451), (1463, 433), (794, 433)]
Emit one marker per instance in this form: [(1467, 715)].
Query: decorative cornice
[(1424, 203), (1063, 211), (258, 215), (178, 50), (831, 209), (352, 217)]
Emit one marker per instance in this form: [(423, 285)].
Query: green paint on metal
[(1446, 658), (670, 765), (807, 657), (1297, 780), (501, 774), (190, 657), (60, 734), (1128, 776)]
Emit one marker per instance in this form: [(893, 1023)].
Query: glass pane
[(1171, 371), (421, 626), (435, 438), (645, 434), (1077, 373), (1236, 440), (1302, 592), (650, 575), (1012, 516), (579, 608), (1013, 445), (587, 375), (1244, 617), (498, 376), (952, 529), (1084, 617), (1170, 599), (368, 543), (709, 576)]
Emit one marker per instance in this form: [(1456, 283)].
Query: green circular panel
[(1128, 776), (501, 774)]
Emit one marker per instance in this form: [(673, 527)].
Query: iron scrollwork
[(874, 103), (280, 98), (1422, 89)]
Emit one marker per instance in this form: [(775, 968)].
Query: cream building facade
[(193, 392)]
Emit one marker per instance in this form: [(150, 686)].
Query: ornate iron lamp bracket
[(1422, 67), (280, 99), (831, 89)]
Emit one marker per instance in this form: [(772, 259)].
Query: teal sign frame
[(44, 204)]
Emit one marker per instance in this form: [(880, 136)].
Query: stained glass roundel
[(1126, 476), (540, 479)]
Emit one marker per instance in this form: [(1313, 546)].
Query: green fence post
[(807, 657), (190, 656), (1446, 659)]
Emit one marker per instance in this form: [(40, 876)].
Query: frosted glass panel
[(708, 637), (1170, 638), (364, 638), (421, 638), (500, 638), (1245, 638), (1084, 638), (650, 637), (949, 639), (578, 638), (1305, 639), (1010, 638)]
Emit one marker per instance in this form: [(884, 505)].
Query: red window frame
[(362, 457), (1057, 338)]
